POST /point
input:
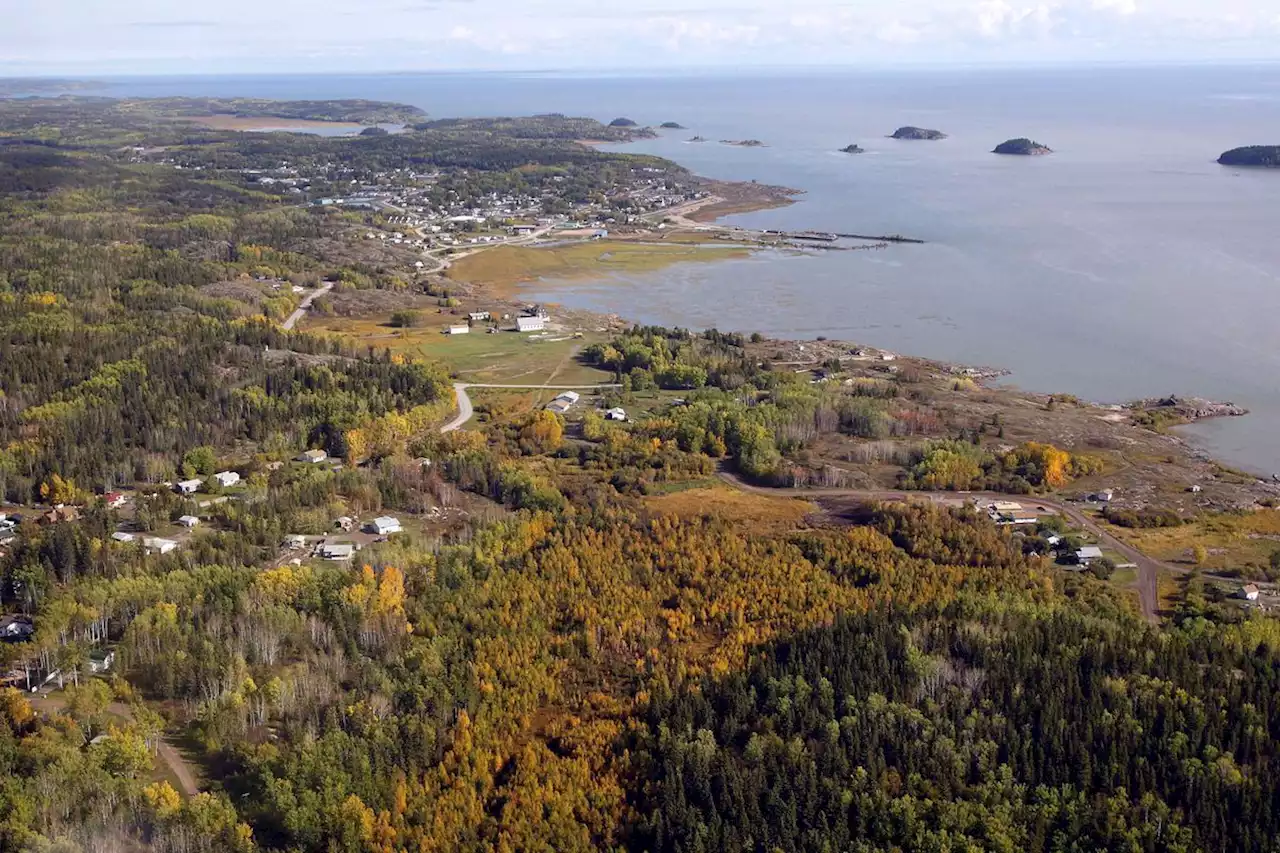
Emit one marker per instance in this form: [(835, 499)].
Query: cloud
[(46, 36)]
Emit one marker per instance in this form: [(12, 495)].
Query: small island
[(671, 125), (1262, 156), (853, 148), (1022, 147), (696, 139), (743, 143), (910, 132), (622, 122)]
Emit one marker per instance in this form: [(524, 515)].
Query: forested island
[(743, 143), (249, 509), (920, 133), (672, 125), (1021, 147), (1265, 156), (853, 148)]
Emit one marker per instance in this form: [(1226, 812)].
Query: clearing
[(504, 267)]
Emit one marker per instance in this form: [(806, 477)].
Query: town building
[(385, 525), (114, 500), (459, 329), (531, 324), (313, 456), (188, 521), (616, 414), (156, 545), (1088, 554), (189, 487), (227, 479), (1249, 592), (121, 536), (337, 551)]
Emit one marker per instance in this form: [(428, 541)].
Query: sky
[(70, 37)]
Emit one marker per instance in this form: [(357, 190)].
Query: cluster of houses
[(225, 479), (532, 320)]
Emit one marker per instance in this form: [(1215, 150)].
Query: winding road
[(305, 305), (1148, 568), (466, 410)]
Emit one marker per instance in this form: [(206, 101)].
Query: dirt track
[(1148, 568)]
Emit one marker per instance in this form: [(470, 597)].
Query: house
[(114, 500), (101, 660), (570, 397), (531, 324), (344, 522), (121, 536), (156, 545), (315, 457), (59, 514), (1053, 540), (1249, 592), (460, 329), (1088, 554), (479, 316), (189, 487), (1104, 496), (385, 525), (337, 551), (227, 479), (295, 541), (616, 414), (188, 521), (16, 628)]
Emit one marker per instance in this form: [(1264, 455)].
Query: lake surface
[(1127, 264)]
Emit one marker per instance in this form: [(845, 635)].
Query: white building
[(226, 479), (459, 329), (188, 521), (1088, 554), (385, 525), (121, 536), (313, 456), (616, 414), (531, 324), (189, 487), (1249, 592), (156, 545), (337, 550)]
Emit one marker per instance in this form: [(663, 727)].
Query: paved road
[(1148, 567), (465, 409), (166, 751), (305, 304)]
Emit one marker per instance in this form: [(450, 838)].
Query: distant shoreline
[(260, 123)]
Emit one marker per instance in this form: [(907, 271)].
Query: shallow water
[(1126, 264)]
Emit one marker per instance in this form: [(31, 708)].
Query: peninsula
[(1264, 156), (1022, 147), (853, 148), (909, 132)]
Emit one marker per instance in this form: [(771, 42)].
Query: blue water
[(1126, 264)]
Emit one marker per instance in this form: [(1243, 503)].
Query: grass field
[(1231, 539), (504, 267), (756, 512), (475, 357)]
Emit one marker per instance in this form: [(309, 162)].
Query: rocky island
[(743, 143), (696, 139), (910, 132), (671, 125), (1021, 146), (622, 122), (1264, 156), (853, 148)]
